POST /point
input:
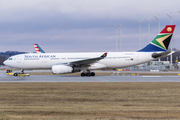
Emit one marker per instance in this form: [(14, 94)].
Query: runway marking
[(151, 76)]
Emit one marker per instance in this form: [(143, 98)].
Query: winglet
[(104, 55)]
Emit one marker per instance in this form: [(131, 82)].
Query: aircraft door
[(136, 57), (19, 59)]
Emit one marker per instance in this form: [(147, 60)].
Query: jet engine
[(60, 69)]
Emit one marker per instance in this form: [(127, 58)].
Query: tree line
[(2, 59), (5, 55)]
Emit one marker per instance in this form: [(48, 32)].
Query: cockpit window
[(10, 58)]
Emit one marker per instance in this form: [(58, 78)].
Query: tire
[(15, 74), (92, 74), (88, 74), (83, 74)]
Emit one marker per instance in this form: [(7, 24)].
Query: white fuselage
[(47, 60)]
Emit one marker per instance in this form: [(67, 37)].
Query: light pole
[(121, 26), (159, 28), (139, 33), (116, 26), (170, 16), (148, 28), (158, 20)]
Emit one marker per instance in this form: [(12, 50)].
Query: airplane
[(38, 49), (62, 63)]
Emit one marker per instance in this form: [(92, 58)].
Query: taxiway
[(77, 78)]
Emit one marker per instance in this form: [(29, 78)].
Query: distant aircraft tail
[(161, 41), (38, 49)]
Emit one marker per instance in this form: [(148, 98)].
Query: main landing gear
[(88, 73)]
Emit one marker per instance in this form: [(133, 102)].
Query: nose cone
[(5, 62)]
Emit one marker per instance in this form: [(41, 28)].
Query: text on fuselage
[(39, 56)]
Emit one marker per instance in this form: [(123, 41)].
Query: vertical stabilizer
[(38, 49), (161, 41)]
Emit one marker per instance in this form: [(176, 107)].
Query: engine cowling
[(60, 69)]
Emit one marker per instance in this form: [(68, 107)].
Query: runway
[(77, 78)]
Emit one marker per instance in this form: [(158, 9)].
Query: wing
[(86, 61)]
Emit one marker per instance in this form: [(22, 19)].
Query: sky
[(83, 25)]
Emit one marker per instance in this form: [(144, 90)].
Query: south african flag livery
[(161, 41)]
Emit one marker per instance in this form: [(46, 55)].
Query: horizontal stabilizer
[(162, 54)]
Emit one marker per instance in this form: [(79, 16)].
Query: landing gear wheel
[(15, 74), (88, 74), (83, 74), (92, 74)]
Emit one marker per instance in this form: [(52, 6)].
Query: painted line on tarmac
[(151, 76)]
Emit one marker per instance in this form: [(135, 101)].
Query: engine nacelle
[(60, 69)]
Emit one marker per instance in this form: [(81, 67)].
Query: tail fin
[(38, 49), (161, 41)]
